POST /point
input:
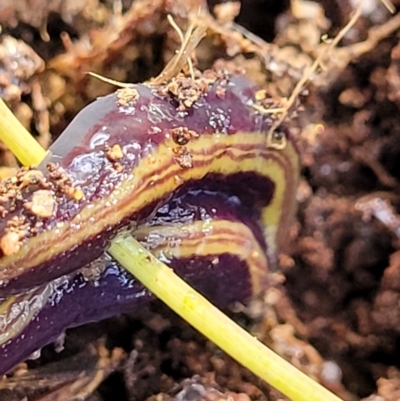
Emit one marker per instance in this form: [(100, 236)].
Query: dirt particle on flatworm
[(182, 135), (78, 194), (42, 204), (127, 96), (114, 153), (186, 91), (119, 168), (74, 193), (58, 179), (183, 157), (10, 243), (31, 177), (215, 261), (92, 272)]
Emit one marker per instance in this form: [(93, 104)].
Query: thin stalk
[(215, 325), (183, 299), (21, 143)]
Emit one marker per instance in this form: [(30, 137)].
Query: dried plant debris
[(333, 307), (98, 46), (75, 378)]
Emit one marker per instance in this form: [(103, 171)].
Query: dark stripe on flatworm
[(231, 138), (222, 277), (117, 292), (253, 190)]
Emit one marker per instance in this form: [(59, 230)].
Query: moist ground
[(337, 295)]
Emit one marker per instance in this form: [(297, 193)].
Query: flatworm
[(187, 166), (120, 159)]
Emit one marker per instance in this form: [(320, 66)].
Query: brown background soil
[(339, 297)]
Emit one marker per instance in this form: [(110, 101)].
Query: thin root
[(389, 5), (182, 39), (311, 70), (190, 41), (110, 81)]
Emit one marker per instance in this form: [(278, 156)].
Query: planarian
[(187, 166), (195, 167)]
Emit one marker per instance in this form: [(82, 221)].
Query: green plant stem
[(184, 300), (216, 326), (21, 143)]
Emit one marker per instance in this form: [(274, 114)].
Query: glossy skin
[(223, 277), (197, 183), (230, 139)]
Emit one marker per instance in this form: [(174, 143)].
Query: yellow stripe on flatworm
[(278, 215), (202, 238), (213, 153), (4, 307), (179, 241)]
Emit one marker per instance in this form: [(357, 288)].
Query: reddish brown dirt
[(340, 294)]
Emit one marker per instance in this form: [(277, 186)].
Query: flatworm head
[(126, 154)]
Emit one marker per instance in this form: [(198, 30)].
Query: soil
[(335, 312)]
